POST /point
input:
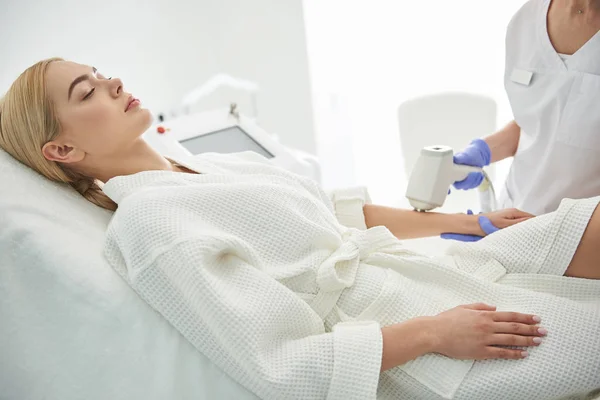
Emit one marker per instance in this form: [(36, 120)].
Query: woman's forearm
[(407, 224), (504, 143), (406, 341)]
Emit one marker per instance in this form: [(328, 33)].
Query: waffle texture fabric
[(282, 286)]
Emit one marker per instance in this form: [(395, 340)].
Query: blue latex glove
[(485, 224), (477, 154)]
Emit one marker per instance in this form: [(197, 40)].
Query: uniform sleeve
[(348, 206), (214, 292)]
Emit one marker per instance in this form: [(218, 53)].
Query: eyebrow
[(78, 80)]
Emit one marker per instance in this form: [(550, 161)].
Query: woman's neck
[(138, 158)]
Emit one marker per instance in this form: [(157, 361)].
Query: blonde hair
[(28, 121)]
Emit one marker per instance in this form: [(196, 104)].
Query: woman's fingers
[(516, 328), (515, 221), (508, 316), (479, 307), (514, 340), (510, 354), (517, 324), (506, 222), (515, 214)]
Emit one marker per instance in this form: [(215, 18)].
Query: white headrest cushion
[(71, 328)]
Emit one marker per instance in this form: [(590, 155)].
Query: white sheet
[(70, 327)]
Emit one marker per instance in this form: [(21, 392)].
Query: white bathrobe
[(282, 286)]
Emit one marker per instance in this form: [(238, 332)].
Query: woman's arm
[(406, 341), (407, 224), (504, 143), (254, 328)]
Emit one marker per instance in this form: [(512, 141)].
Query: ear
[(63, 153)]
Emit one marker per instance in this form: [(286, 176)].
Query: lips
[(131, 101)]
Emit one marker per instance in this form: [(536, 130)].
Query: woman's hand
[(488, 223), (474, 331), (504, 218), (408, 224)]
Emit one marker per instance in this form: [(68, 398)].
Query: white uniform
[(286, 290), (556, 102)]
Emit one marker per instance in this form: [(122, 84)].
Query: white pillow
[(70, 328)]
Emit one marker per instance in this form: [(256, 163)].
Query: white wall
[(162, 48), (367, 57)]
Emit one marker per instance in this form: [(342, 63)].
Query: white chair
[(452, 119)]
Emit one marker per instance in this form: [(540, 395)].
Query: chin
[(147, 115), (145, 120), (136, 126)]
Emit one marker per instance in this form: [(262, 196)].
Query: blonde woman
[(299, 294)]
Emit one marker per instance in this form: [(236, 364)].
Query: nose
[(116, 87)]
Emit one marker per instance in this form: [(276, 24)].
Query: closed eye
[(90, 93)]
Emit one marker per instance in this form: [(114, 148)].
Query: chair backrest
[(451, 119)]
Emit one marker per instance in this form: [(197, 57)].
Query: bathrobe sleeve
[(348, 205), (213, 291)]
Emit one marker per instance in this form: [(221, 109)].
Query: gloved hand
[(485, 224), (501, 219), (477, 154)]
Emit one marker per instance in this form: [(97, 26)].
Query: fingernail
[(537, 340), (524, 354), (542, 331), (537, 319)]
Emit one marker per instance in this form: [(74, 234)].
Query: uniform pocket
[(525, 100), (580, 124)]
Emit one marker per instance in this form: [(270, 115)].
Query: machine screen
[(228, 140)]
